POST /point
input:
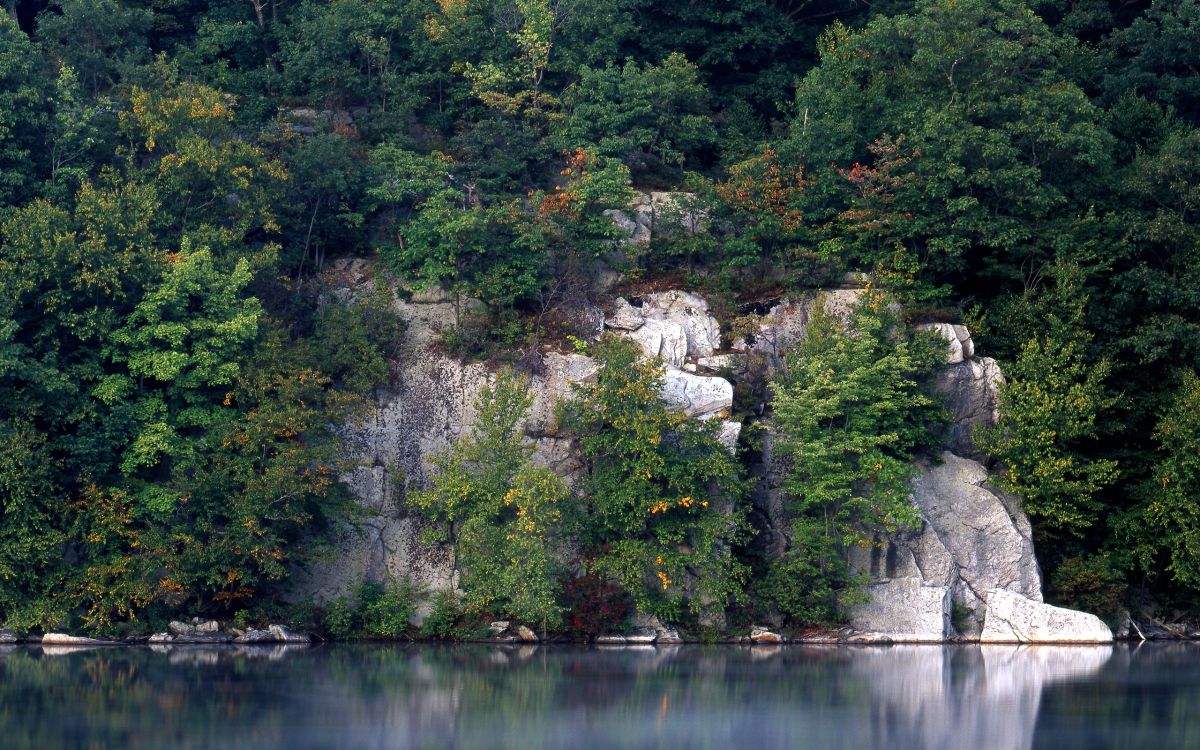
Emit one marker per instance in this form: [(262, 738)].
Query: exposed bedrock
[(934, 582), (430, 405)]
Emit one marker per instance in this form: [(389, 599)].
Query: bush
[(372, 610), (387, 615), (595, 606), (443, 618), (1089, 583)]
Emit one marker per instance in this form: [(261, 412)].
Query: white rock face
[(625, 316), (959, 346), (696, 395), (690, 311), (907, 609), (972, 539), (658, 214), (664, 339), (1012, 618), (784, 325), (729, 434), (970, 391), (635, 224), (430, 404)]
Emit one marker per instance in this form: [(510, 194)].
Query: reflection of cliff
[(977, 697)]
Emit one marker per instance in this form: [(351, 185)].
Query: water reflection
[(555, 697)]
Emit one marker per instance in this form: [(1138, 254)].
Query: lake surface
[(820, 697)]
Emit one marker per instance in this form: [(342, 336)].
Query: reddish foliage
[(594, 606)]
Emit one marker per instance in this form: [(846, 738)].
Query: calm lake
[(821, 697)]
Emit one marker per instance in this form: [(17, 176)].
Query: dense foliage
[(175, 177), (661, 494)]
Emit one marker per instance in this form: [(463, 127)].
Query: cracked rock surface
[(1012, 618), (972, 539)]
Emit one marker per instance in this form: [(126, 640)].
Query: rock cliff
[(968, 571)]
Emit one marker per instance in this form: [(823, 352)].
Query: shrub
[(595, 606), (444, 614), (1089, 583)]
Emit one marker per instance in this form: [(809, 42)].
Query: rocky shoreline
[(502, 633)]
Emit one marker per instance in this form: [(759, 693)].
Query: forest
[(175, 176)]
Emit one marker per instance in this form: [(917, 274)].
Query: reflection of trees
[(578, 698), (1146, 696)]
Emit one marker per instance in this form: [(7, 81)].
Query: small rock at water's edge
[(62, 639), (763, 635), (283, 635)]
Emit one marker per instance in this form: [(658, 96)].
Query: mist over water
[(532, 697)]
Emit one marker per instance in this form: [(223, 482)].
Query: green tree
[(1157, 56), (503, 513), (661, 494), (850, 414), (652, 117), (23, 89), (1011, 151), (1049, 408), (214, 185), (1162, 532), (102, 40), (444, 232)]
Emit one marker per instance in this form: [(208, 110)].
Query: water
[(902, 697)]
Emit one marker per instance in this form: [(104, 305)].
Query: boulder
[(663, 633), (635, 224), (209, 626), (905, 609), (664, 339), (199, 637), (161, 638), (625, 317), (959, 346), (718, 362), (7, 636), (610, 640), (526, 634), (690, 311), (984, 531), (62, 639), (180, 628), (971, 538), (283, 635), (764, 635), (696, 395), (499, 627), (1012, 618), (642, 635)]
